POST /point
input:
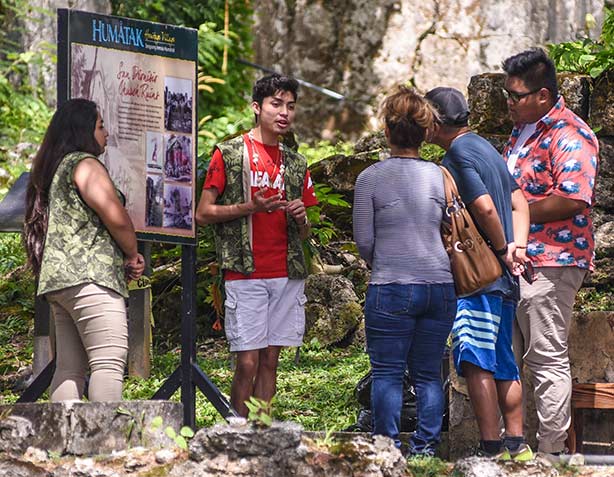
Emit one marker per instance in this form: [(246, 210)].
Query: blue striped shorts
[(482, 335)]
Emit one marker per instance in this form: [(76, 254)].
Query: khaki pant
[(540, 340), (91, 329)]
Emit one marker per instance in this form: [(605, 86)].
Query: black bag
[(363, 396)]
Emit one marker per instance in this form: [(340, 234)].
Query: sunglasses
[(515, 97)]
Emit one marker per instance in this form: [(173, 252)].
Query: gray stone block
[(105, 427), (82, 428), (42, 425)]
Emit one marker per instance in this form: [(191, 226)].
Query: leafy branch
[(585, 55)]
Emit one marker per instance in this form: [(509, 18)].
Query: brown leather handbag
[(474, 265)]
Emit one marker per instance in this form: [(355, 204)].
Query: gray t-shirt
[(398, 209)]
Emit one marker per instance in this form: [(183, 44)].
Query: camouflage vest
[(78, 247), (233, 238)]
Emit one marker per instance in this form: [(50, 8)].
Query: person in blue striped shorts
[(482, 330)]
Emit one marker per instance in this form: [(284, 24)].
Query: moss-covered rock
[(602, 104), (332, 311), (487, 104), (576, 90)]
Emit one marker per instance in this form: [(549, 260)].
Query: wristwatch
[(501, 252)]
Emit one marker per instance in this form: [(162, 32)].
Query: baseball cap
[(451, 105)]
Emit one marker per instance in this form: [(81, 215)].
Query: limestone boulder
[(374, 142), (606, 157), (602, 104), (487, 104), (363, 48), (241, 449), (591, 341), (340, 172), (576, 90), (481, 467), (240, 439), (604, 240), (604, 193), (333, 311), (11, 467), (603, 275)]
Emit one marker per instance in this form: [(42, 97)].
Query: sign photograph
[(142, 75)]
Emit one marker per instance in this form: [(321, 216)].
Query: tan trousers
[(540, 340), (91, 329)]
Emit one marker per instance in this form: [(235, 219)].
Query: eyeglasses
[(515, 97)]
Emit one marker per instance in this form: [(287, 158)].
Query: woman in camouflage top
[(82, 247)]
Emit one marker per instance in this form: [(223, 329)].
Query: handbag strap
[(453, 198)]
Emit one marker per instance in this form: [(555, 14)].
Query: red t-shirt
[(270, 236)]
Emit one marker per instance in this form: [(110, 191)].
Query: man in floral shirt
[(552, 154)]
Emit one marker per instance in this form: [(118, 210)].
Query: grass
[(428, 467), (317, 392)]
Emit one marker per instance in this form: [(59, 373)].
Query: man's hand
[(519, 258), (134, 267), (267, 204), (296, 209)]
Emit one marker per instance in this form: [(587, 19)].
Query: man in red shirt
[(552, 154), (256, 193)]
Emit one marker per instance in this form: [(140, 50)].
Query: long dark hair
[(71, 129)]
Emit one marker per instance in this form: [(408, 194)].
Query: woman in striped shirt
[(410, 305)]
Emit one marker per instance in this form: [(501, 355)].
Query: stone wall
[(591, 338), (361, 48)]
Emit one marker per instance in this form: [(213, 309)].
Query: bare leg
[(483, 395), (266, 378), (510, 403), (243, 380)]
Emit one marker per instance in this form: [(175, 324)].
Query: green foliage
[(585, 55), (420, 466), (259, 412), (16, 312), (323, 229), (431, 152), (181, 438), (594, 299), (12, 253), (23, 113), (323, 149)]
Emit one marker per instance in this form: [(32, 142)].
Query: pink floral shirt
[(561, 158)]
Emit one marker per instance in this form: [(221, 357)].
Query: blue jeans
[(407, 326)]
